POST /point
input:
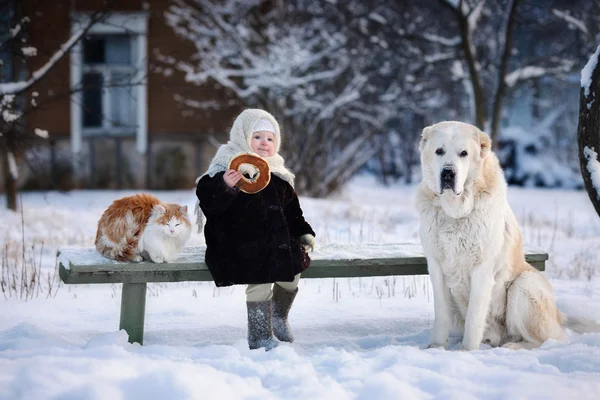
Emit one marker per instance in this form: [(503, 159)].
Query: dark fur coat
[(252, 238)]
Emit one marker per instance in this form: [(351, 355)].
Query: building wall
[(47, 30), (170, 123)]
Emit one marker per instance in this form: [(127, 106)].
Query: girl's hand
[(308, 241), (231, 177)]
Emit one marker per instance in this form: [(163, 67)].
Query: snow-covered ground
[(356, 338)]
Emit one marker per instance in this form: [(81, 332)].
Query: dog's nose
[(448, 174)]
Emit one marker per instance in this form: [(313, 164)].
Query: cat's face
[(172, 220)]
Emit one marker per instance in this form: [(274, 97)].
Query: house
[(115, 113)]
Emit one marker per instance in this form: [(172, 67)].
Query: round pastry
[(259, 181)]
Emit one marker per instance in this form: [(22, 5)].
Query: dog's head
[(452, 154)]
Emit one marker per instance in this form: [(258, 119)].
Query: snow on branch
[(593, 167), (12, 165), (240, 59), (535, 71), (11, 88), (350, 159), (202, 105), (588, 70), (572, 21), (348, 95), (17, 29), (453, 41), (474, 14)]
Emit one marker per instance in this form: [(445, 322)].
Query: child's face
[(263, 143)]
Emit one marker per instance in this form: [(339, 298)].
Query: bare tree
[(494, 64), (11, 134), (588, 131), (294, 61)]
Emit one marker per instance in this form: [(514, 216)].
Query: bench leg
[(539, 265), (133, 309)]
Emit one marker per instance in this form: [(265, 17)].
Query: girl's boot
[(260, 331), (282, 302)]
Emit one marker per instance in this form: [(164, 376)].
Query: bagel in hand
[(260, 180)]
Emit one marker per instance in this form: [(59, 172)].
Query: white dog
[(481, 281)]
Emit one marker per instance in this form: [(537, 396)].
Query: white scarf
[(239, 142)]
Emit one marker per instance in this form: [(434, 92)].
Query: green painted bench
[(86, 266)]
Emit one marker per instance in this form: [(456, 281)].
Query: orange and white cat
[(142, 224)]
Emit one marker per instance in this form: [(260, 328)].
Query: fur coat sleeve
[(214, 195)]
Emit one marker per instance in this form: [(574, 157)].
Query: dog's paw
[(512, 345), (468, 346), (523, 345), (438, 346)]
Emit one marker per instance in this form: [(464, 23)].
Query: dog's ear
[(425, 136), (485, 142)]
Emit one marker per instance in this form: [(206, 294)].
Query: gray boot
[(282, 302), (260, 331)]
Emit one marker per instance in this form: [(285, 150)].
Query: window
[(109, 100), (110, 68)]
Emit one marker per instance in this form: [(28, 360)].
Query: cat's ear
[(183, 210), (160, 209)]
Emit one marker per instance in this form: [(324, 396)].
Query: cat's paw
[(157, 259), (136, 258)]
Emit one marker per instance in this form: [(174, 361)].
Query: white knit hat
[(264, 125)]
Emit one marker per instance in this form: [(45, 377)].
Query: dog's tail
[(580, 325)]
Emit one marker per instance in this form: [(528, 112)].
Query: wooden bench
[(86, 265)]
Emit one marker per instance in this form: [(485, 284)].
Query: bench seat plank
[(86, 265)]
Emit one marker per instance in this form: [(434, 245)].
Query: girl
[(256, 239)]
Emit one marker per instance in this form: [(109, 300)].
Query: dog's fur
[(481, 281)]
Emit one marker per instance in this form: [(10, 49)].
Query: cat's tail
[(125, 249)]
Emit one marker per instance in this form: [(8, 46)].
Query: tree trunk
[(10, 183), (501, 89), (475, 76), (588, 133)]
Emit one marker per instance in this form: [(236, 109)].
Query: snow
[(29, 51), (41, 133), (378, 18), (10, 116), (588, 70), (12, 165), (593, 166), (529, 158), (355, 338)]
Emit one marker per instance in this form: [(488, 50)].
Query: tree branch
[(14, 88)]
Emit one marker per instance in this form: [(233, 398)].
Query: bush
[(531, 159)]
